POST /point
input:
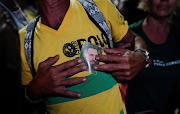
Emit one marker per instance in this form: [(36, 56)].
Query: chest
[(156, 37), (67, 41), (164, 65)]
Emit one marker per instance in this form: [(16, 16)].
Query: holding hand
[(123, 64), (51, 80)]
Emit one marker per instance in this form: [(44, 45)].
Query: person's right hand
[(51, 80)]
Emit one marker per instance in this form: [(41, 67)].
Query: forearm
[(135, 41), (138, 46), (139, 43)]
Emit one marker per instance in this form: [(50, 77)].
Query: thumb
[(50, 61)]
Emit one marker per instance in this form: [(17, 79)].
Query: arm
[(135, 41)]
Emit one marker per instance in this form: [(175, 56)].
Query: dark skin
[(51, 80), (53, 11), (54, 77)]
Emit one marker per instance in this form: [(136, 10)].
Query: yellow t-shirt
[(100, 93)]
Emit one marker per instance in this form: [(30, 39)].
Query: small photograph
[(88, 54)]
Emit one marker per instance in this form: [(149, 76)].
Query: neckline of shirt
[(62, 26)]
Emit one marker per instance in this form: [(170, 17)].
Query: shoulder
[(22, 32), (117, 25), (31, 25), (104, 5), (101, 1), (22, 37)]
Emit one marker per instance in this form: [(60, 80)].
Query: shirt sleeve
[(117, 25)]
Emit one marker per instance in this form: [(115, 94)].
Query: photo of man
[(88, 54)]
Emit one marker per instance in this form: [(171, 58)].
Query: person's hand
[(121, 45), (123, 64), (51, 80)]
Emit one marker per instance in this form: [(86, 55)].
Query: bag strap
[(28, 43), (94, 15), (97, 18)]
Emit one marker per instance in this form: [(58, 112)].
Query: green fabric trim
[(121, 112), (95, 84)]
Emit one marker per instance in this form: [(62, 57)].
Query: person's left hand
[(123, 64)]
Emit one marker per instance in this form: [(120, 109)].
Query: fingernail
[(84, 79), (84, 67), (79, 95), (95, 67), (55, 56), (80, 60), (97, 58), (128, 44)]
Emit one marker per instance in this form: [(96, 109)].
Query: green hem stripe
[(121, 112), (95, 84)]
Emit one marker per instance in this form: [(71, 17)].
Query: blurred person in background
[(10, 65), (176, 15), (29, 7), (16, 11), (128, 8), (150, 90)]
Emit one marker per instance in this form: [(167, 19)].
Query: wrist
[(30, 97), (146, 55)]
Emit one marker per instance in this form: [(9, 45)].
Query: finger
[(73, 81), (122, 73), (70, 94), (123, 46), (72, 71), (120, 44), (112, 58), (122, 79), (50, 61), (115, 50), (68, 64), (122, 76), (111, 67)]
